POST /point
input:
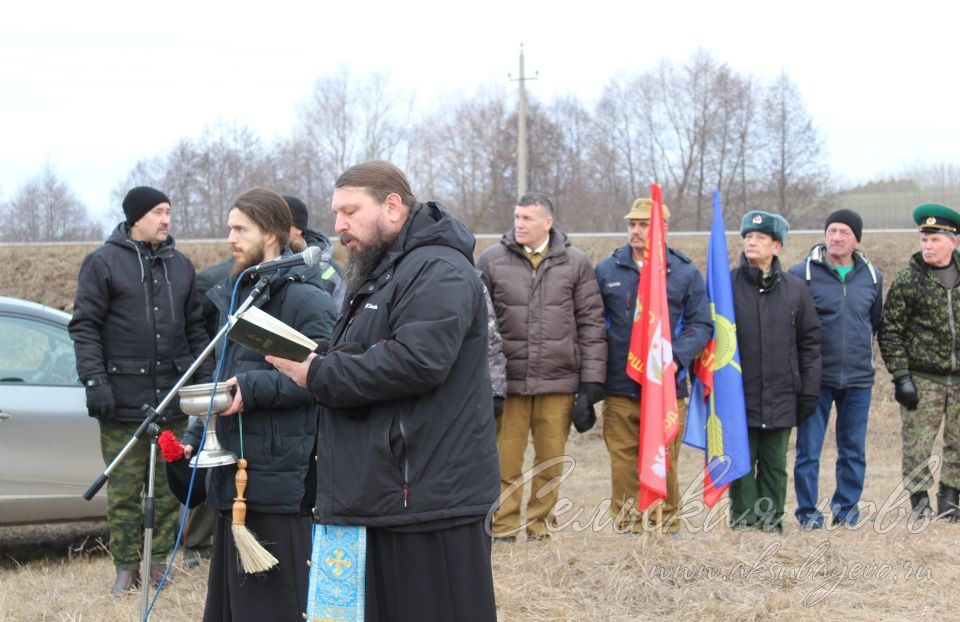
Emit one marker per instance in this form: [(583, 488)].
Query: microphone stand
[(149, 424)]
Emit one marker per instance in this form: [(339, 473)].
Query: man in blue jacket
[(691, 325), (847, 291)]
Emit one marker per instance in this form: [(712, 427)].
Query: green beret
[(774, 225), (936, 218)]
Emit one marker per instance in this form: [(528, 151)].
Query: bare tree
[(691, 127), (474, 167), (561, 137), (202, 176), (940, 177), (795, 169), (45, 209), (623, 156), (346, 120)]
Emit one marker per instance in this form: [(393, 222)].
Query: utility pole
[(522, 127)]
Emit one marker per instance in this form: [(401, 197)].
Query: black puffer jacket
[(137, 321), (279, 418), (778, 333), (406, 434)]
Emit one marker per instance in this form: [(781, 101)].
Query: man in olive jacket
[(778, 333), (136, 327), (550, 316), (918, 341)]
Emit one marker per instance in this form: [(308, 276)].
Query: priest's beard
[(359, 266)]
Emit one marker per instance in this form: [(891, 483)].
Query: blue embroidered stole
[(338, 562)]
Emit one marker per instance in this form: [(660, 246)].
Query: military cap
[(936, 218), (640, 210), (774, 225)]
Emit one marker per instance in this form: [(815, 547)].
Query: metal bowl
[(195, 398)]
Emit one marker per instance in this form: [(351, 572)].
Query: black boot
[(948, 501), (920, 502)]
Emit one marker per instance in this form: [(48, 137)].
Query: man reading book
[(271, 423), (407, 445)]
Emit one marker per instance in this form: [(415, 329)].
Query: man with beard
[(271, 422), (136, 328), (406, 445)]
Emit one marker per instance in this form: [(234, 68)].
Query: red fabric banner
[(650, 362)]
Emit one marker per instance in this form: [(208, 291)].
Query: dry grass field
[(884, 569)]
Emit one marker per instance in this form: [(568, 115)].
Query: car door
[(49, 447)]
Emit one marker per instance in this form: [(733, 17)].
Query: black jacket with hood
[(279, 418), (137, 322), (778, 333), (406, 436)]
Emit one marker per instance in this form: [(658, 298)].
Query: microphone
[(310, 257)]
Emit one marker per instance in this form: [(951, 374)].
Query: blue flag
[(717, 415)]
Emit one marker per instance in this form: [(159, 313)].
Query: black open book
[(258, 330)]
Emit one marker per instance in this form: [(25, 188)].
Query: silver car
[(49, 447)]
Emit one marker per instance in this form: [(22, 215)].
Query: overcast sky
[(93, 87)]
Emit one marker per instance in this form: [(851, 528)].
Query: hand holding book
[(258, 330)]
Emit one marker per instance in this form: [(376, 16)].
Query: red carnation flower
[(169, 446)]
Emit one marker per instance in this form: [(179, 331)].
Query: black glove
[(806, 406), (497, 405), (100, 403), (593, 390), (905, 391), (582, 414)]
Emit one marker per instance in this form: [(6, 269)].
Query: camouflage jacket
[(918, 328), (496, 361)]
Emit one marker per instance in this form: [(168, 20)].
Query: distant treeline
[(691, 127)]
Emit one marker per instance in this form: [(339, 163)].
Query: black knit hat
[(298, 210), (141, 200), (846, 217)]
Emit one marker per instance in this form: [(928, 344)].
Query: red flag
[(650, 362)]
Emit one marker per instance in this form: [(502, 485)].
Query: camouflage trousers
[(939, 404), (125, 491)]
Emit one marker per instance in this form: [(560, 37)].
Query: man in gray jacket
[(550, 315)]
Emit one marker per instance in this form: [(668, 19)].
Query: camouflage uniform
[(939, 403), (124, 511), (918, 336), (496, 361)]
